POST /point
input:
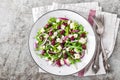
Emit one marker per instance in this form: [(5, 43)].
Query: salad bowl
[(64, 70)]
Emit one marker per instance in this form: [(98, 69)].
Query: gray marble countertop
[(16, 21)]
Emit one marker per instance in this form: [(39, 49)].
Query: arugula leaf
[(51, 20), (81, 28), (66, 31), (72, 61), (77, 60)]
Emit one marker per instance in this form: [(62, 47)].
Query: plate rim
[(48, 13)]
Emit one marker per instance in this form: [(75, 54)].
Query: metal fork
[(100, 31), (95, 65)]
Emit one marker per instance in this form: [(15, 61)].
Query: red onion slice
[(83, 54), (58, 63), (43, 52), (65, 24), (63, 18), (68, 64), (66, 37), (75, 30), (35, 45)]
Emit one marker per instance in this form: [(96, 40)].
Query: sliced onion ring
[(63, 18)]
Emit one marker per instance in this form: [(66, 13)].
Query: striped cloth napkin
[(87, 10)]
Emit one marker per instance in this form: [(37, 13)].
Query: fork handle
[(95, 65), (105, 59)]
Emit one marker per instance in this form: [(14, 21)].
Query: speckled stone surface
[(16, 21)]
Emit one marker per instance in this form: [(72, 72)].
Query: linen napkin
[(111, 23)]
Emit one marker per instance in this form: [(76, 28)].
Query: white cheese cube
[(62, 37), (82, 40), (52, 36), (62, 62), (57, 20), (70, 36), (71, 25), (75, 35), (67, 61), (59, 47), (67, 49), (62, 27), (59, 40), (69, 22), (77, 56), (55, 33)]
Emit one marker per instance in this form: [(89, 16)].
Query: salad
[(61, 41)]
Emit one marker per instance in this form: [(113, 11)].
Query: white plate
[(64, 70)]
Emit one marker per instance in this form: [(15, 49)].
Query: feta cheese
[(69, 22), (67, 49), (75, 35), (52, 36), (42, 30), (70, 36), (77, 56), (67, 61), (62, 37), (59, 47), (57, 20), (82, 40), (62, 62), (55, 33), (71, 25), (62, 27), (59, 40)]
